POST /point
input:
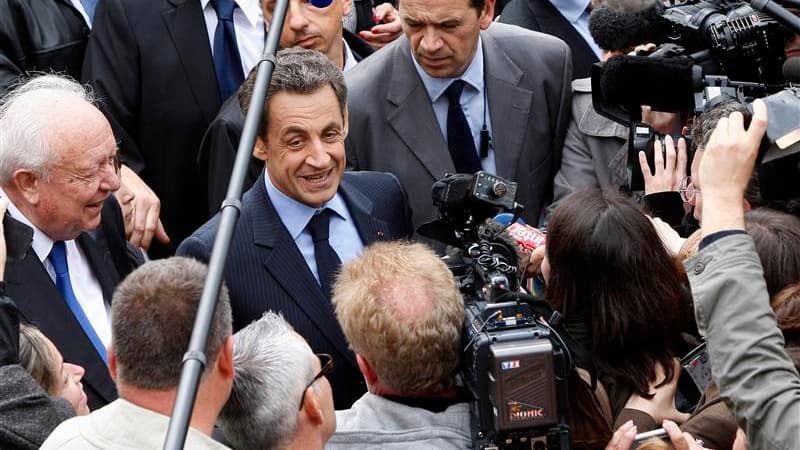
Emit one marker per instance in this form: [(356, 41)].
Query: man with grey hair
[(275, 372), (153, 315), (402, 314), (305, 215), (64, 229)]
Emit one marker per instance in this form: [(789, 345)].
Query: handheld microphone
[(665, 84), (525, 236)]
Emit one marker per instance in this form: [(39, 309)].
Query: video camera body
[(514, 364), (708, 50)]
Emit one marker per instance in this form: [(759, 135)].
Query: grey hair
[(301, 71), (152, 317), (25, 120), (272, 365)]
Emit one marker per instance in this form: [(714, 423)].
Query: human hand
[(388, 26), (726, 168), (623, 437), (534, 266), (144, 207), (662, 406), (660, 121), (679, 439), (670, 166)]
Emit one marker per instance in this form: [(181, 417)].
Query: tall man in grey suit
[(304, 215), (511, 95)]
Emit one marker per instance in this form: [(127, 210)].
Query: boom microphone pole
[(194, 361)]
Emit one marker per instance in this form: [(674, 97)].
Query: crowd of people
[(337, 325)]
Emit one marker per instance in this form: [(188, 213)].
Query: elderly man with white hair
[(64, 230)]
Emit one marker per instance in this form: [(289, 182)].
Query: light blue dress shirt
[(343, 238), (575, 13), (473, 102)]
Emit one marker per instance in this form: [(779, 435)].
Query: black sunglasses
[(327, 367)]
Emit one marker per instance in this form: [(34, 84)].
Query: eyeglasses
[(327, 367), (687, 190)]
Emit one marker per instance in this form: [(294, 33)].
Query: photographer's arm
[(731, 300)]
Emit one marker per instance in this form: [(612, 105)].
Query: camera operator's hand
[(660, 121), (726, 169), (679, 439), (623, 437), (662, 406), (670, 166)]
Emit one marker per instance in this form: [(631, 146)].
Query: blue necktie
[(89, 6), (459, 135), (227, 63), (58, 258), (328, 261)]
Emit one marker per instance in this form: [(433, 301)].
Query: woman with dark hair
[(622, 296), (777, 239)]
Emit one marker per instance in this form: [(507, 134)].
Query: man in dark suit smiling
[(304, 215)]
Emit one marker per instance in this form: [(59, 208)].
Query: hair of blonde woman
[(37, 357)]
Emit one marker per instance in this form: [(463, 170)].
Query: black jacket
[(40, 35)]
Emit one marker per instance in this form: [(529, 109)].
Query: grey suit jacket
[(393, 127), (378, 422), (746, 347), (595, 148)]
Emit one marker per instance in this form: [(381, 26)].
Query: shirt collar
[(473, 76), (572, 10), (250, 8), (42, 244), (295, 215), (349, 58)]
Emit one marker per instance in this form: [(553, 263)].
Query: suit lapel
[(509, 105), (553, 23), (282, 259), (411, 115), (186, 26), (370, 228), (100, 262), (29, 285)]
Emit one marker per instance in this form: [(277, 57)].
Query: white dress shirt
[(342, 231), (248, 22), (84, 284)]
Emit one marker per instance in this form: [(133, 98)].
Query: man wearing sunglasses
[(275, 372), (311, 24)]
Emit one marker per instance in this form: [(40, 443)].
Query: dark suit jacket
[(541, 15), (150, 63), (393, 127), (40, 303), (40, 35), (265, 270), (218, 147)]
